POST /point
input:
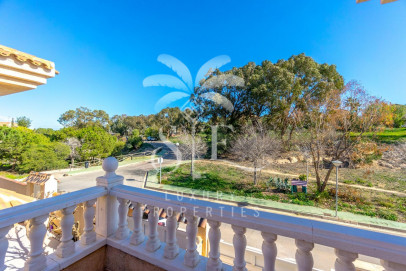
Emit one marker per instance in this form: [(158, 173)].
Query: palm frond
[(219, 100), (177, 66), (169, 98), (223, 80), (164, 80), (212, 64)]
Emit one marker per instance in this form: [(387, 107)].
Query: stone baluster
[(304, 258), (344, 261), (240, 243), (138, 234), (89, 235), (67, 247), (392, 266), (191, 255), (153, 242), (122, 231), (36, 235), (269, 250), (171, 249), (3, 246), (214, 262), (107, 206)]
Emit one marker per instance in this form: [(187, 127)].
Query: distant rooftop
[(37, 178)]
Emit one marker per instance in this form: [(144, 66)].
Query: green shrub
[(386, 214), (118, 148), (345, 205), (257, 195), (273, 197), (367, 213), (300, 202), (360, 181), (135, 141), (168, 169), (386, 204), (279, 184), (46, 156), (301, 199), (302, 177), (321, 195)]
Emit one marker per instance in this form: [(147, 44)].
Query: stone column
[(214, 263), (345, 260), (171, 249), (107, 206), (89, 236), (3, 246), (191, 256), (304, 257), (66, 248), (138, 234), (153, 242), (36, 259), (392, 266), (123, 231), (240, 244), (269, 251)]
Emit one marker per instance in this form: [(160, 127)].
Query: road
[(133, 173)]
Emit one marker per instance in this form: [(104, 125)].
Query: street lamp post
[(177, 150), (337, 163), (160, 161), (307, 169)]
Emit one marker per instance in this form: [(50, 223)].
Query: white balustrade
[(3, 246), (214, 262), (304, 258), (138, 234), (171, 249), (37, 213), (191, 255), (112, 229), (269, 250), (89, 235), (66, 247), (153, 242), (345, 260), (240, 243), (122, 231), (37, 230)]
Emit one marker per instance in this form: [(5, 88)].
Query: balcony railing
[(112, 200)]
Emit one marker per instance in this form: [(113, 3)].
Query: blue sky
[(104, 49)]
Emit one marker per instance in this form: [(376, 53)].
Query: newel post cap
[(110, 165), (110, 178)]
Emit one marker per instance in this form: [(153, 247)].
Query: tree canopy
[(23, 122), (84, 117)]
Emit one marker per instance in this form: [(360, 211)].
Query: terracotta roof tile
[(24, 57), (37, 178)]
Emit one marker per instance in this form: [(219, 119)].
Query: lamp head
[(337, 163)]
